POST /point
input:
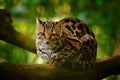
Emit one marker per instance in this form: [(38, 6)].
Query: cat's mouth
[(50, 45), (46, 41)]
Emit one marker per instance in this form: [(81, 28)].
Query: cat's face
[(47, 32)]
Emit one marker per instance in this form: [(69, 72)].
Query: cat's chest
[(48, 50)]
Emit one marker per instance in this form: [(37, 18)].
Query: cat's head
[(47, 31)]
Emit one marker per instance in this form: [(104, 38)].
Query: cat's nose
[(46, 41)]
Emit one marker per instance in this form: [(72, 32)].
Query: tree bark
[(10, 35), (46, 72)]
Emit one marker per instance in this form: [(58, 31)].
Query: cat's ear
[(39, 26), (38, 21)]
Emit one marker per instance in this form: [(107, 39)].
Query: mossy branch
[(10, 35), (46, 72)]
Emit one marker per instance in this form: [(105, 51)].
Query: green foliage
[(12, 54)]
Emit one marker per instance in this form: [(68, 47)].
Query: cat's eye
[(41, 33), (52, 37), (54, 34)]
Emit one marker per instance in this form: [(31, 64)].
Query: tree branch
[(46, 72), (10, 35)]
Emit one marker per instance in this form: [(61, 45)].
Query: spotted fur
[(69, 39)]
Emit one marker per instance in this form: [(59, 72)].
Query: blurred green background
[(102, 16)]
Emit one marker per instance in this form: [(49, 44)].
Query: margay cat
[(68, 40)]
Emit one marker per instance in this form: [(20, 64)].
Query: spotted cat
[(68, 40)]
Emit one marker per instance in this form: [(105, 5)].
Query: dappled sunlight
[(25, 26), (40, 10), (40, 61), (12, 54), (62, 9)]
